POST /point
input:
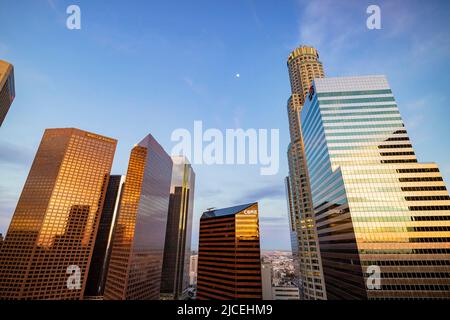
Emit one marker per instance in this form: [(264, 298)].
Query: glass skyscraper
[(98, 269), (376, 208), (135, 265), (229, 257), (54, 226), (177, 249), (7, 88), (304, 65)]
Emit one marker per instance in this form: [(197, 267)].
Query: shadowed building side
[(98, 269), (177, 249)]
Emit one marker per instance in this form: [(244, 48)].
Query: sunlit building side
[(135, 265), (382, 218), (52, 232)]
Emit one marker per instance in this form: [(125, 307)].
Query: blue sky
[(140, 67)]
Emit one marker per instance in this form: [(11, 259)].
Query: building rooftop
[(226, 211)]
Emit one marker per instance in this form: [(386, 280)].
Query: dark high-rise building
[(229, 258), (52, 233), (304, 66), (134, 271), (98, 269), (177, 249), (7, 88)]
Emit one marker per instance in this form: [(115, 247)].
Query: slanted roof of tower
[(226, 211)]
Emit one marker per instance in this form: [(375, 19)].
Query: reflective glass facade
[(55, 222), (177, 249), (138, 244), (304, 66), (98, 269), (374, 204), (229, 258), (7, 88)]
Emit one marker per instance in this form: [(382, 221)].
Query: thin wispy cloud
[(12, 154), (272, 191), (194, 86)]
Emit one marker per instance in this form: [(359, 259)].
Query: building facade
[(7, 88), (98, 269), (304, 65), (229, 258), (135, 265), (266, 281), (383, 218), (177, 248), (285, 293), (193, 270), (54, 226)]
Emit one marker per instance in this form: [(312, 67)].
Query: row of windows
[(353, 93), (360, 100)]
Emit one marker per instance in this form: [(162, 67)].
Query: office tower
[(52, 232), (1, 240), (304, 65), (266, 281), (376, 207), (193, 270), (7, 88), (177, 248), (98, 269), (138, 244), (229, 263)]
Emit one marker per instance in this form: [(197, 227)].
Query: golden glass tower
[(7, 88), (304, 65), (177, 248), (55, 222), (229, 257), (382, 218), (135, 265)]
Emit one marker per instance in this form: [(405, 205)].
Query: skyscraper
[(134, 271), (177, 248), (229, 258), (193, 270), (293, 229), (376, 208), (7, 88), (54, 226), (98, 269), (304, 65), (266, 281)]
